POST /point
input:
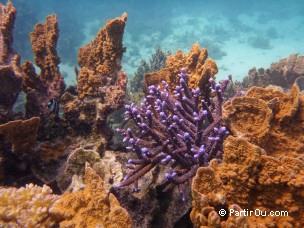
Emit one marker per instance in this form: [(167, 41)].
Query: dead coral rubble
[(262, 168)]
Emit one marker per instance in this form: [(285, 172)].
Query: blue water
[(238, 34)]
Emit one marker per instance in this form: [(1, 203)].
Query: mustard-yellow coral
[(27, 206), (199, 66), (248, 179), (91, 207), (100, 60), (262, 166)]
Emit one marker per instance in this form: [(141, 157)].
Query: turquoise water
[(238, 34)]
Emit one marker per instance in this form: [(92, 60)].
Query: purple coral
[(179, 130)]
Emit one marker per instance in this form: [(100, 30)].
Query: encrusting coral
[(91, 207), (182, 131), (262, 167), (27, 206), (10, 70)]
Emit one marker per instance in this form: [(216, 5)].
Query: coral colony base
[(56, 169)]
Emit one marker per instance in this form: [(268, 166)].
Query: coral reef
[(262, 167), (10, 70), (27, 17), (90, 207), (28, 206), (177, 132), (135, 93), (283, 73), (177, 136), (49, 84), (137, 81), (200, 67)]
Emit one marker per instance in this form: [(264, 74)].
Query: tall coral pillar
[(10, 71), (49, 83)]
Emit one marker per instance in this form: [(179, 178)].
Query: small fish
[(53, 105)]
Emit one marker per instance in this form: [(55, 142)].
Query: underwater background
[(238, 34)]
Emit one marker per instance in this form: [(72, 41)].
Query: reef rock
[(10, 70)]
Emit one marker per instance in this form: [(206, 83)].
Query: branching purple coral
[(180, 131)]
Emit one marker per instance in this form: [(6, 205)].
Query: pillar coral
[(249, 180), (100, 61), (91, 207), (10, 70), (49, 83), (198, 65), (21, 133), (101, 83)]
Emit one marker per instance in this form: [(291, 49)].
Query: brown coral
[(49, 83), (91, 207), (248, 180), (21, 134), (262, 168), (199, 66), (284, 106), (269, 118), (248, 117), (27, 206), (10, 70), (101, 83), (100, 60)]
